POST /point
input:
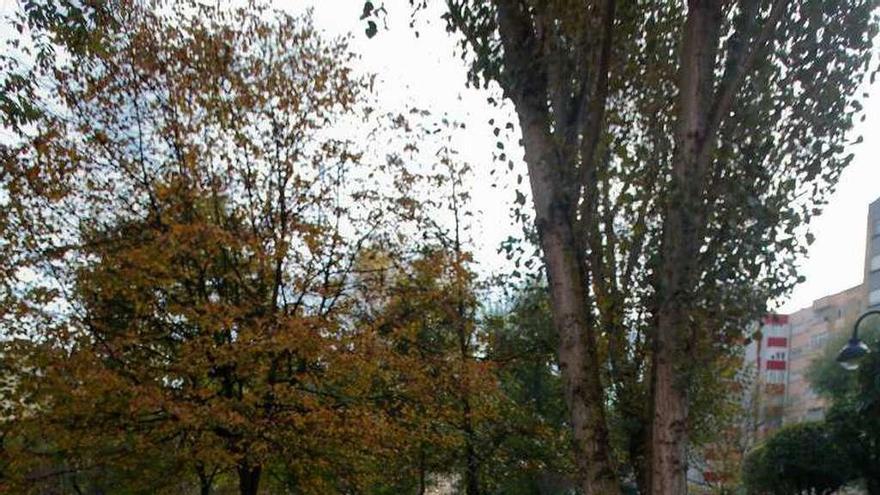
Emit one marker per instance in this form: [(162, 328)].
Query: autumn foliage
[(205, 285)]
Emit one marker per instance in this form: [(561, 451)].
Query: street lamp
[(855, 349)]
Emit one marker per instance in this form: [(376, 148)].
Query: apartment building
[(783, 349), (767, 361), (810, 330), (872, 257)]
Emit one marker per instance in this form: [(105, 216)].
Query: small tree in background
[(845, 447), (802, 459), (529, 443), (853, 417)]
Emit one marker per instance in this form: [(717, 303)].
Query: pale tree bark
[(558, 83), (553, 177), (577, 344), (702, 110), (680, 247)]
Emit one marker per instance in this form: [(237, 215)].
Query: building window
[(874, 297), (875, 263), (775, 331), (796, 352), (877, 226), (775, 376), (818, 341)]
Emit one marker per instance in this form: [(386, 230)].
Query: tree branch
[(734, 79)]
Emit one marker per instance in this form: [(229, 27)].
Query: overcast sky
[(423, 71)]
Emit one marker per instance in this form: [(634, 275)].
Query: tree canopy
[(216, 270), (798, 459), (675, 154)]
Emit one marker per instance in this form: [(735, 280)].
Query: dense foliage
[(853, 416), (676, 152), (217, 272), (204, 285), (842, 448), (798, 460)]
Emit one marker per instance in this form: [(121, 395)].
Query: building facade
[(785, 345), (767, 358), (811, 329), (872, 257)]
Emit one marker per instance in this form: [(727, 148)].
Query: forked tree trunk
[(206, 482), (249, 479), (552, 177)]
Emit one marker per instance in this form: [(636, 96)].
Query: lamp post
[(855, 349)]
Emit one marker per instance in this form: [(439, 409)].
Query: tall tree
[(181, 231), (674, 154), (433, 305)]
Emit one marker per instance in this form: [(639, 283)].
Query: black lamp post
[(855, 349)]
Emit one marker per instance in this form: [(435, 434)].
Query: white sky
[(425, 72)]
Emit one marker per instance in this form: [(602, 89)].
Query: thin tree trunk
[(472, 468), (423, 482), (249, 479), (206, 481)]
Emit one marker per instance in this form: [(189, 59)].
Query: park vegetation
[(675, 153), (223, 269), (841, 449)]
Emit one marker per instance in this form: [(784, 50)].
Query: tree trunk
[(423, 481), (669, 426), (675, 333), (249, 479), (577, 344), (554, 184), (472, 465), (206, 482)]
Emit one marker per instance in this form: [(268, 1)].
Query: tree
[(430, 316), (669, 153), (826, 376), (728, 425), (181, 233), (529, 443), (852, 417), (76, 27), (798, 459)]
